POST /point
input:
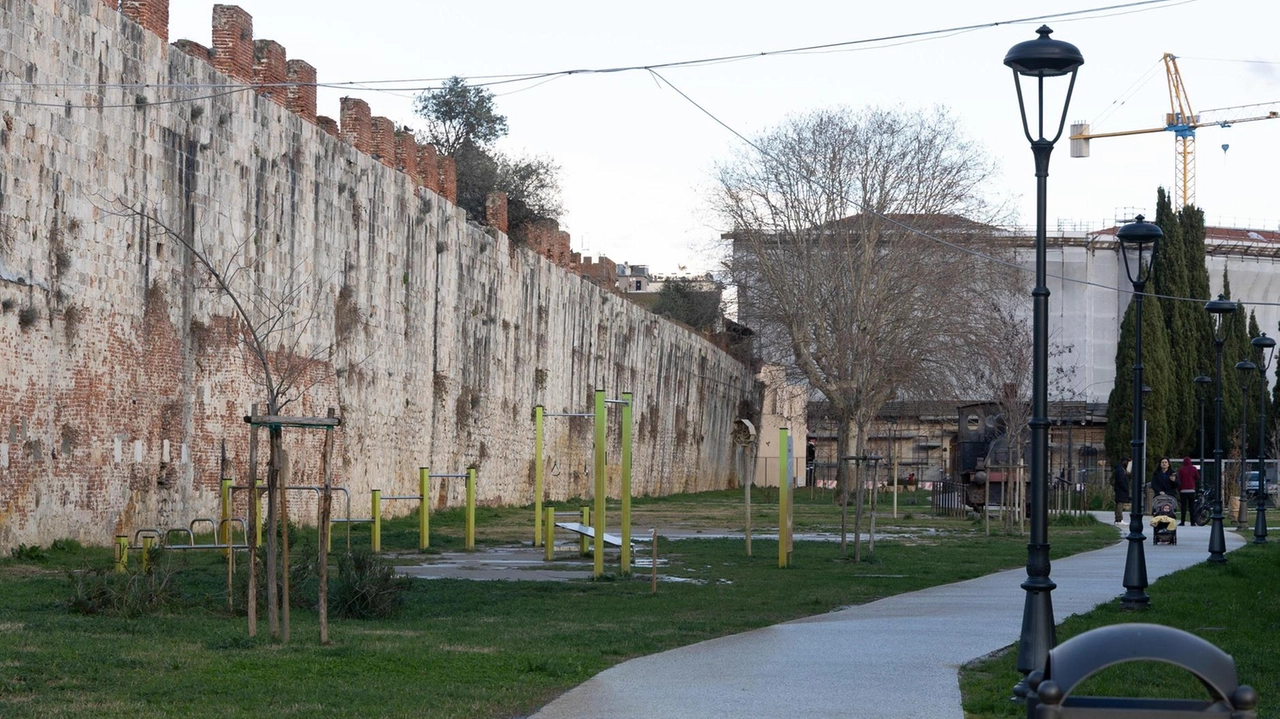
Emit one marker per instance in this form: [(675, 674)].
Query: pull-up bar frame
[(599, 445)]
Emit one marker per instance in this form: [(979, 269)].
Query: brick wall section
[(429, 167), (233, 42), (269, 70), (603, 272), (356, 124), (113, 4), (301, 96), (384, 140), (194, 49), (448, 179), (329, 125), (150, 14), (495, 211), (407, 155)]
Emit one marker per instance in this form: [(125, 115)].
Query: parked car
[(1251, 485)]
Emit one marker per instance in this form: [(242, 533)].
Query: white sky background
[(637, 158)]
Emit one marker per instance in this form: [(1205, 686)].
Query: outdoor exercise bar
[(424, 476), (784, 497)]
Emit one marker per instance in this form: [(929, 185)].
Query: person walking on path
[(1188, 483), (1164, 481), (1120, 482)]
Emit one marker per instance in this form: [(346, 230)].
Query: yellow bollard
[(537, 475), (122, 552), (424, 519), (582, 539), (377, 520), (625, 559), (471, 509), (598, 517), (549, 527), (223, 535), (146, 553)]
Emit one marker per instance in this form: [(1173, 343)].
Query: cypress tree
[(1179, 259), (1157, 374)]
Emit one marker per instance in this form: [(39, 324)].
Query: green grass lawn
[(457, 648), (1235, 606)]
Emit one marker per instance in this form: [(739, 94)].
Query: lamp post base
[(1135, 569), (1217, 537), (1260, 523)]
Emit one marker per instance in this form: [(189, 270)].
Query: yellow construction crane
[(1182, 121)]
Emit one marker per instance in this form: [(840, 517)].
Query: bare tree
[(836, 220), (274, 313)]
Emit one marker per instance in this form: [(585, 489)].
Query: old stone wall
[(123, 374)]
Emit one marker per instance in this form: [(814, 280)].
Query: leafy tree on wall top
[(464, 123)]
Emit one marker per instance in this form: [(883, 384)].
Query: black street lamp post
[(1203, 381), (1222, 309), (1246, 369), (1137, 236), (1040, 59), (1266, 348)]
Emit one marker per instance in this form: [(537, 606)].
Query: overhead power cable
[(414, 85)]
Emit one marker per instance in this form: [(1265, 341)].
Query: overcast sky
[(637, 158)]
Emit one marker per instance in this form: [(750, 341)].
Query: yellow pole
[(537, 475), (471, 509), (146, 553), (626, 483), (549, 541), (586, 522), (122, 552), (782, 497), (377, 520), (600, 486), (224, 527), (424, 519)]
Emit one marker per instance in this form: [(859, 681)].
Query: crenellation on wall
[(448, 178), (269, 73), (495, 211), (429, 167), (383, 134), (329, 125), (301, 94), (357, 124), (152, 15), (194, 49), (407, 155), (233, 42)]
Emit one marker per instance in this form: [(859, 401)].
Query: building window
[(638, 288)]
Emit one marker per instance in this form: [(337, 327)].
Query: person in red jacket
[(1188, 481)]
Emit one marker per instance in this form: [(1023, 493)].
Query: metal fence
[(947, 499)]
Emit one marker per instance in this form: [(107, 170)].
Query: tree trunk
[(326, 504), (842, 478), (286, 468), (273, 531), (251, 534), (857, 496), (875, 500)]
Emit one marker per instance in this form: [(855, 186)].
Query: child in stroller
[(1164, 519)]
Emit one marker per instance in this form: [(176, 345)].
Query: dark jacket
[(1164, 483), (1120, 482), (1188, 476)]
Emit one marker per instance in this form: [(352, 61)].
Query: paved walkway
[(896, 658)]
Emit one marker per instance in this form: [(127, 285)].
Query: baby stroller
[(1164, 519)]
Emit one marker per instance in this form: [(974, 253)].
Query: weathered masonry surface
[(122, 379)]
